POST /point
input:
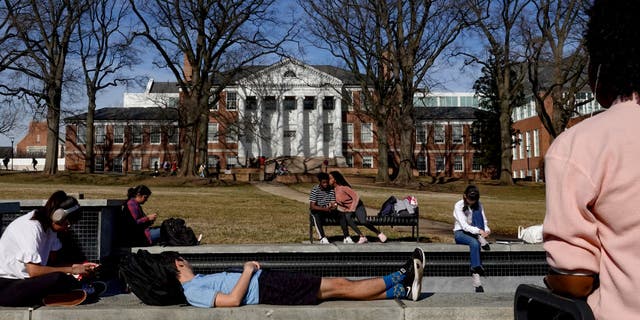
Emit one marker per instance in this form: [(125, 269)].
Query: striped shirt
[(322, 197)]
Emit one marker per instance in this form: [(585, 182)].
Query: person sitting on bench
[(322, 203), (254, 285)]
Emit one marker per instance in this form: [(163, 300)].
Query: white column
[(318, 134)]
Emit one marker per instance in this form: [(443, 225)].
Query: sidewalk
[(436, 231)]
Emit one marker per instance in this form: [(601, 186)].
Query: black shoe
[(479, 289), (486, 247), (413, 271), (479, 270)]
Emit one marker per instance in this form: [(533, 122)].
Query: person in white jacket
[(471, 228)]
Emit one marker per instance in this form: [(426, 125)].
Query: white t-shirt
[(24, 241)]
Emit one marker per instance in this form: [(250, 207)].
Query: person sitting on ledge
[(258, 286)]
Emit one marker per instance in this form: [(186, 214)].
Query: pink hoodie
[(592, 223), (346, 198)]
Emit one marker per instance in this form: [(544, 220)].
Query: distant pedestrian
[(34, 162), (174, 168), (5, 161)]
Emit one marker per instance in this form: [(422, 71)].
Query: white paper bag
[(532, 234)]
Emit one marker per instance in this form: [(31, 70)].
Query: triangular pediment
[(291, 73)]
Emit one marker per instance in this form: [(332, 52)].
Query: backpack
[(153, 283), (174, 232), (387, 207)]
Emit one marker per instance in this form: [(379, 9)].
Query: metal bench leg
[(310, 228)]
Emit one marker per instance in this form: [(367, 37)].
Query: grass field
[(228, 213)]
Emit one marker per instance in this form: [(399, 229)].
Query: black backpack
[(387, 207), (174, 232), (152, 282)]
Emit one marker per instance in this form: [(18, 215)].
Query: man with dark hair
[(257, 286), (322, 203), (592, 224)]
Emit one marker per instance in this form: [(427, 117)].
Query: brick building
[(34, 143)]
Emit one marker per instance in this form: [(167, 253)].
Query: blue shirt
[(202, 289)]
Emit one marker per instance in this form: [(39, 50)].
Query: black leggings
[(361, 214), (30, 291)]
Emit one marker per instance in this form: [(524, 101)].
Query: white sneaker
[(362, 240), (324, 241), (348, 240)]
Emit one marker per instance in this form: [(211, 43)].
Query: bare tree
[(205, 44), (389, 48), (44, 31), (105, 51), (497, 24), (557, 60)]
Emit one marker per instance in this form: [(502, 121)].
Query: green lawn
[(228, 213)]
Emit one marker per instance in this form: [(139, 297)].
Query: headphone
[(62, 213)]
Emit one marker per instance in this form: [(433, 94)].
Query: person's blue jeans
[(471, 240), (155, 235), (477, 220)]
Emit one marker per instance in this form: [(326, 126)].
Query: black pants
[(30, 291), (361, 215), (318, 219)]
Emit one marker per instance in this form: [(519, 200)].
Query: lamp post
[(11, 153)]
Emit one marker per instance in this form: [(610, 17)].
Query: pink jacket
[(592, 223), (346, 198)]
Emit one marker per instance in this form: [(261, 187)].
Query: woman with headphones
[(29, 272)]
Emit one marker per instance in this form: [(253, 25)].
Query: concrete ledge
[(431, 306), (338, 247)]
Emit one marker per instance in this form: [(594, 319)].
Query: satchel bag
[(532, 234)]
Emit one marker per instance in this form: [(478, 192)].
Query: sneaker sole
[(68, 299), (418, 269)]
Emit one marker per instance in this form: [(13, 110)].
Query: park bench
[(404, 221)]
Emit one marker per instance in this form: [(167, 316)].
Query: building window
[(527, 141), (440, 163), (232, 161), (476, 166), (99, 163), (251, 103), (289, 103), (117, 164), (536, 143), (154, 136), (438, 133), (289, 133), (212, 133), (231, 136), (154, 162), (520, 146), (328, 103), (173, 135), (458, 164), (309, 103), (456, 133), (366, 134), (270, 103), (327, 132), (81, 134), (421, 164), (421, 135), (514, 149), (348, 159), (367, 161), (173, 102), (118, 134), (475, 136), (347, 133), (289, 74), (232, 103), (136, 164), (136, 134), (100, 135)]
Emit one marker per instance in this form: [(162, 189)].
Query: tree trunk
[(189, 123), (89, 154), (53, 125), (506, 178), (383, 151), (407, 144)]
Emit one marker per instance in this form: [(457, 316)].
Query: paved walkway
[(435, 231)]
